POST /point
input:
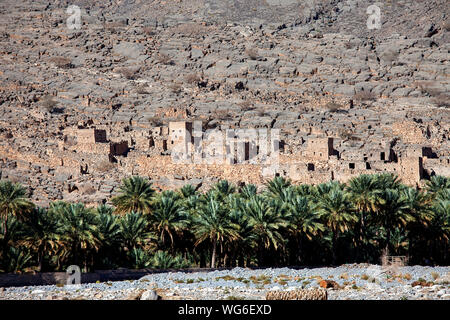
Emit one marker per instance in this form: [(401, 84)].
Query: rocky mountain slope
[(305, 67)]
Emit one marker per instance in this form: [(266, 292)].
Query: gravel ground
[(358, 281)]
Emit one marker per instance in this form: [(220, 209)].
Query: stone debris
[(302, 294), (351, 283), (150, 295)]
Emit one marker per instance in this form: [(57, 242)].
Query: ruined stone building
[(197, 99), (184, 152)]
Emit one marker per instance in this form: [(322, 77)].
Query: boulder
[(150, 295), (329, 284), (129, 50)]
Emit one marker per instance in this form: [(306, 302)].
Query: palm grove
[(284, 224)]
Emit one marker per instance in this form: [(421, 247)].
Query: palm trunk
[(40, 258), (388, 240), (361, 254), (410, 243), (76, 255), (214, 249), (260, 255), (5, 234), (232, 260), (225, 260), (202, 261), (241, 261), (163, 239), (335, 238), (5, 228), (248, 261), (300, 247)]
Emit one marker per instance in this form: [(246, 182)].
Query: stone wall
[(53, 278)]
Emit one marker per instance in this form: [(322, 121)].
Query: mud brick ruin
[(82, 109)]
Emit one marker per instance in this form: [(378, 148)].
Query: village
[(86, 112)]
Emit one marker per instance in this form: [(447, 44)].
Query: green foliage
[(16, 260), (44, 233), (136, 195), (163, 260), (248, 191), (284, 224), (187, 191), (80, 233), (213, 224), (104, 209), (13, 200), (109, 226), (168, 218), (134, 230), (224, 188), (437, 185), (266, 221), (277, 185), (139, 259)]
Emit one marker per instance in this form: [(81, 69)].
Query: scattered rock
[(135, 295), (150, 295), (329, 284)]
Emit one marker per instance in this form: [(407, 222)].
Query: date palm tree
[(104, 209), (248, 191), (44, 233), (212, 224), (17, 260), (187, 191), (362, 193), (241, 248), (163, 260), (419, 207), (135, 230), (139, 258), (439, 231), (276, 186), (286, 195), (304, 190), (335, 210), (302, 222), (437, 185), (266, 221), (418, 204), (13, 202), (108, 225), (222, 190), (136, 194), (16, 233), (392, 212), (58, 207), (323, 189), (388, 181), (81, 233), (168, 218), (110, 231)]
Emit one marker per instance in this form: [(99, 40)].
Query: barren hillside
[(80, 109)]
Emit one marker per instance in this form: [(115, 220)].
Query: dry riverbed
[(351, 282)]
